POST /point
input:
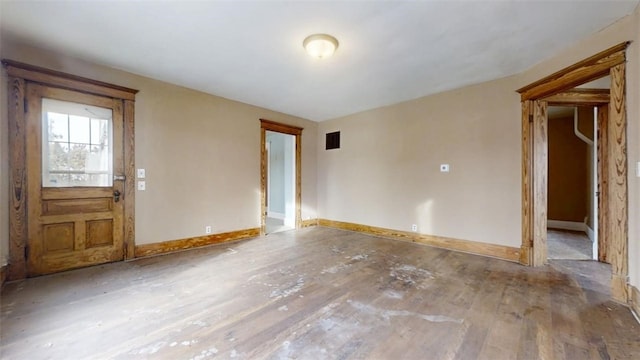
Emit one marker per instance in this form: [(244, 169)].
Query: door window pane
[(76, 144), (79, 129), (58, 127)]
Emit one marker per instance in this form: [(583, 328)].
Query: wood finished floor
[(318, 293)]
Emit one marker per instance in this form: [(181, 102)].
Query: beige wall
[(201, 153), (568, 172), (387, 171)]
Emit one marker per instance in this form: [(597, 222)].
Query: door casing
[(613, 179), (268, 125)]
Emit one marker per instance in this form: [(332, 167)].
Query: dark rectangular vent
[(333, 140)]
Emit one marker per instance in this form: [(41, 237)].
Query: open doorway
[(560, 89), (572, 215), (281, 186), (280, 177)]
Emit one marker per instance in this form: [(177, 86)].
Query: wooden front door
[(75, 182)]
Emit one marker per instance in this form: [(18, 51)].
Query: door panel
[(74, 149)]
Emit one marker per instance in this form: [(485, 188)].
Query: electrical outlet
[(414, 227), (444, 167), (207, 230)]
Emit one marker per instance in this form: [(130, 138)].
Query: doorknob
[(116, 196)]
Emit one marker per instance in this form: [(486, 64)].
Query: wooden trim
[(298, 181), (582, 72), (603, 181), (309, 223), (17, 267), (33, 127), (540, 180), (130, 179), (263, 181), (118, 169), (634, 300), (268, 125), (281, 128), (194, 242), (67, 81), (571, 80), (477, 248), (526, 251), (579, 97), (617, 229)]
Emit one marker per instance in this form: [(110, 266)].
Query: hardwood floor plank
[(318, 293)]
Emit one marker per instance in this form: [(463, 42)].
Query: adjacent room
[(572, 183), (320, 180)]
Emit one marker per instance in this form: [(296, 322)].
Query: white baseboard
[(275, 215), (567, 225), (590, 233)]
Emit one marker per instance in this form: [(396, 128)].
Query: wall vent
[(333, 140)]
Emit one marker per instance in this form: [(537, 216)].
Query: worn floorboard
[(318, 293)]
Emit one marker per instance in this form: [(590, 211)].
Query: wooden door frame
[(602, 134), (535, 98), (268, 125), (19, 74)]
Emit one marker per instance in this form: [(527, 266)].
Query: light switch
[(141, 174), (638, 169), (142, 185), (444, 167)]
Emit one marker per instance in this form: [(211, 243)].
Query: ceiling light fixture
[(320, 45)]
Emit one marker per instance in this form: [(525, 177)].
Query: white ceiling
[(252, 51)]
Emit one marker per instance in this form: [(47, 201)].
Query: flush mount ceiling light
[(320, 45)]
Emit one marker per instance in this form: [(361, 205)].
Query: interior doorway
[(281, 186), (560, 88), (280, 175)]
